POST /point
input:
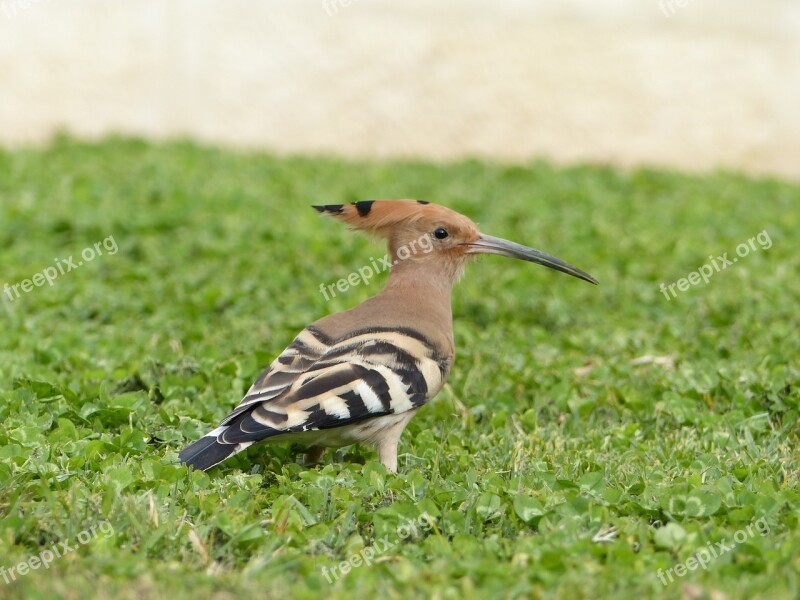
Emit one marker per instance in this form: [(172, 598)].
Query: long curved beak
[(487, 244)]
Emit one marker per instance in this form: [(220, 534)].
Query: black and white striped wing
[(301, 355), (322, 383), (370, 373)]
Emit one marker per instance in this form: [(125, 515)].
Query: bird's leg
[(313, 455), (387, 451), (386, 442)]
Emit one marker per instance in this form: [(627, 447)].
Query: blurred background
[(574, 414), (689, 84)]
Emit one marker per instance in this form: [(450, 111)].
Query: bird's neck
[(420, 285), (422, 298), (412, 298)]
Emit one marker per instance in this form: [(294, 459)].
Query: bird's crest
[(381, 216)]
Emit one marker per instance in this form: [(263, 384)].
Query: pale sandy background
[(716, 84)]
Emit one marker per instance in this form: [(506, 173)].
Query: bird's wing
[(304, 351), (320, 383)]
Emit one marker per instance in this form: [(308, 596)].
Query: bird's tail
[(210, 450)]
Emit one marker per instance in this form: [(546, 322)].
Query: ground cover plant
[(591, 441)]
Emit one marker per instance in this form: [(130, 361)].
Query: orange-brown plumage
[(360, 375), (382, 217)]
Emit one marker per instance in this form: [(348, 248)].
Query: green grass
[(522, 463)]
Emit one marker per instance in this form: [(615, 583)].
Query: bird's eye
[(440, 233)]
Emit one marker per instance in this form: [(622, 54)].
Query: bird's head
[(422, 234)]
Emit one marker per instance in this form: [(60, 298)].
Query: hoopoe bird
[(359, 376)]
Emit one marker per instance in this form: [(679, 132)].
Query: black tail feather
[(207, 452)]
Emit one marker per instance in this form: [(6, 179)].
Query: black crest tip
[(363, 207), (331, 208)]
